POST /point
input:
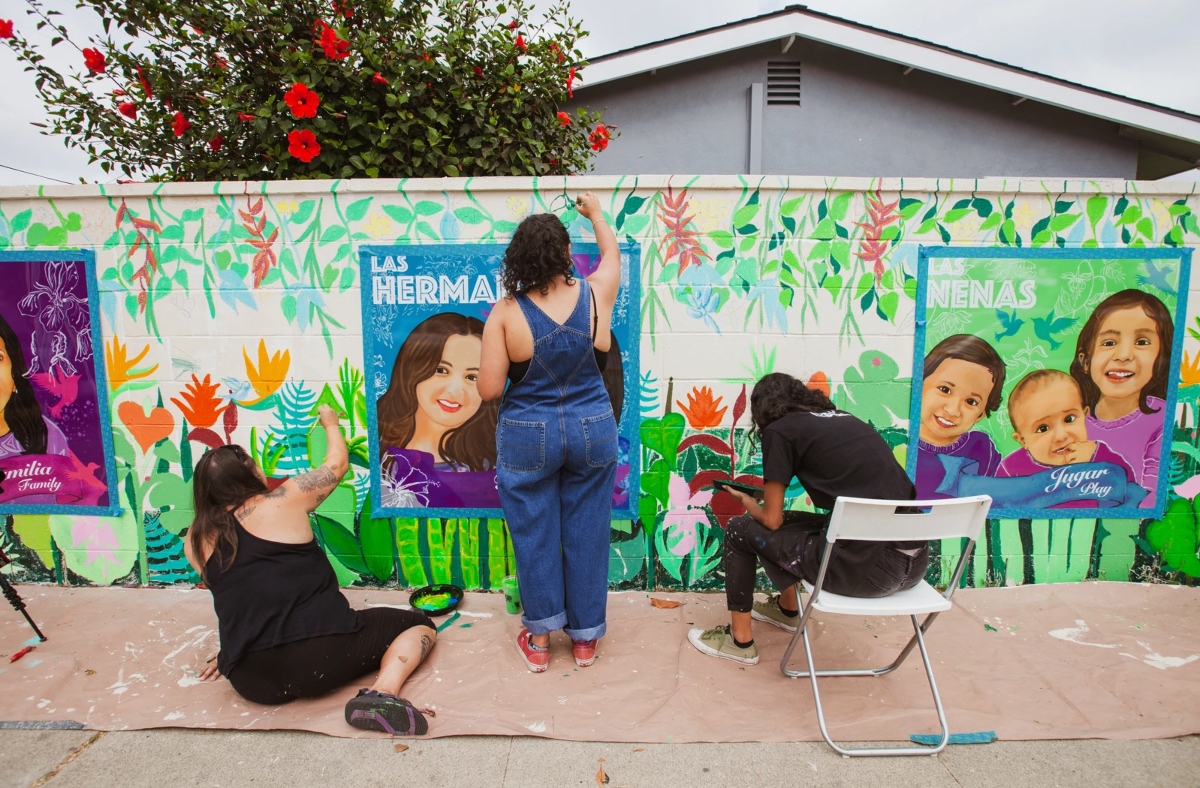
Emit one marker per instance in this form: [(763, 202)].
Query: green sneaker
[(772, 613), (718, 642)]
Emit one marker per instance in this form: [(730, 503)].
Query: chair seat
[(921, 598)]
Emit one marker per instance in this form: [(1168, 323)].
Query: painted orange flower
[(1189, 370), (201, 405), (270, 373), (121, 367), (819, 382), (702, 410)]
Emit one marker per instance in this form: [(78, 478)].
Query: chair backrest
[(872, 520)]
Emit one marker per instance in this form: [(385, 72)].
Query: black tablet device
[(730, 484)]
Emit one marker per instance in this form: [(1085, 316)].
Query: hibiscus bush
[(254, 89)]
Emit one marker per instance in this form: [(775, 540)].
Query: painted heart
[(146, 428)]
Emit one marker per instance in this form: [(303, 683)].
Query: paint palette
[(436, 600)]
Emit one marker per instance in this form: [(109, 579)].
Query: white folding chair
[(864, 519)]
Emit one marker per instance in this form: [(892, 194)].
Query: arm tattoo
[(244, 512), (403, 659), (278, 492), (316, 480), (426, 645)]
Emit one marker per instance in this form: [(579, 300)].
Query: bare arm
[(606, 279), (309, 489), (770, 511), (493, 362)]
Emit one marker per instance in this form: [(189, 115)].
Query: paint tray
[(436, 600)]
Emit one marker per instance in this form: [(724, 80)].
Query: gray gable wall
[(858, 116)]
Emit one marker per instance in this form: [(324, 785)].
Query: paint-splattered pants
[(794, 552)]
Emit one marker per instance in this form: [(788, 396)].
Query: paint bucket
[(436, 600), (512, 595)]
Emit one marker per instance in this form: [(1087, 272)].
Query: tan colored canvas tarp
[(1089, 660)]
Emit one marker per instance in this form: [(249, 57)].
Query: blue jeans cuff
[(591, 633), (546, 625)]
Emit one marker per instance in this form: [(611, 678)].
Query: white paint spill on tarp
[(1156, 660), (175, 715), (537, 727), (1073, 634)]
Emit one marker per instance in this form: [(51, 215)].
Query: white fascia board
[(923, 58)]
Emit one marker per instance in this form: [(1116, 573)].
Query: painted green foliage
[(762, 261)]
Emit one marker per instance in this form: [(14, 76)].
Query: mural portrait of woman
[(437, 437)]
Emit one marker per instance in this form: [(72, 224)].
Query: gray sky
[(1146, 51)]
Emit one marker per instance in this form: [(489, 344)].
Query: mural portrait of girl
[(437, 437)]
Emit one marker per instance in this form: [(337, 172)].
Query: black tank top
[(274, 593)]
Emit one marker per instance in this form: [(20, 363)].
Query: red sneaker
[(538, 659), (584, 651)]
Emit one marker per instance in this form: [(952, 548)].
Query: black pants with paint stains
[(794, 552), (312, 667)]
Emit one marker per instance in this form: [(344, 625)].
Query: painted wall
[(230, 311), (859, 116)]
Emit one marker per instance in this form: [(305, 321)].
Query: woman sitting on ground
[(286, 630), (833, 454)]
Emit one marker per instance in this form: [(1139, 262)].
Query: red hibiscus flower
[(180, 125), (302, 100), (145, 84), (334, 46), (246, 116), (303, 145), (6, 28), (520, 43), (118, 92), (564, 119), (379, 79), (215, 143), (342, 9), (599, 137), (512, 25), (478, 71), (94, 60), (128, 109), (557, 52), (571, 83)]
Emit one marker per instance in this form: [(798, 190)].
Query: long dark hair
[(23, 414), (1157, 311), (540, 250), (778, 394), (972, 349), (224, 479), (474, 443)]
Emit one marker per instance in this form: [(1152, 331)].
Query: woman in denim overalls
[(557, 438)]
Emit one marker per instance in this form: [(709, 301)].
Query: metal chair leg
[(812, 673)]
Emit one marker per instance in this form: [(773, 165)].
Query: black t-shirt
[(833, 454)]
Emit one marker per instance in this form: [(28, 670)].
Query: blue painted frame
[(630, 299), (1183, 255), (88, 258)]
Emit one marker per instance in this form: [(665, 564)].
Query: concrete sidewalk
[(177, 758)]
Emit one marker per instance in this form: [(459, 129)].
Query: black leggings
[(312, 667), (794, 552)]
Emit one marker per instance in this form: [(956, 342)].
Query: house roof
[(797, 21)]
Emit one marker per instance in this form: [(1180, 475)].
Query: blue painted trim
[(1183, 254), (631, 418), (88, 258)]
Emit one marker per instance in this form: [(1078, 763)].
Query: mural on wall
[(229, 316), (423, 311), (1047, 377), (55, 456)]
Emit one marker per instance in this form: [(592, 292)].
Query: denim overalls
[(557, 455)]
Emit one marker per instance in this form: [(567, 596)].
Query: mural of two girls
[(1103, 409), (436, 435)]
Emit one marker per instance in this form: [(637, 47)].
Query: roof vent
[(783, 82)]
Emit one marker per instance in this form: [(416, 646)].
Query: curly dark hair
[(778, 394), (539, 251)]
